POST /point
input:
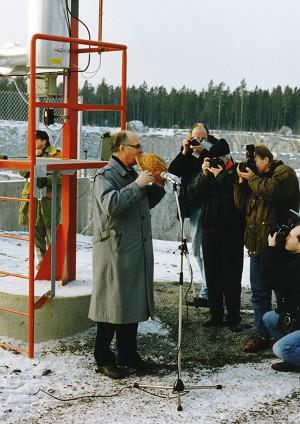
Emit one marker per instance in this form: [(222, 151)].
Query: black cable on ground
[(106, 396), (82, 397)]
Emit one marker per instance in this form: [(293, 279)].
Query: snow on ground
[(247, 387), (14, 256)]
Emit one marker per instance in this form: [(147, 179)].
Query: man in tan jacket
[(266, 196)]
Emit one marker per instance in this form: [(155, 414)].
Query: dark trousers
[(223, 262), (125, 339), (261, 296)]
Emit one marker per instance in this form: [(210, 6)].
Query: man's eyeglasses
[(136, 146)]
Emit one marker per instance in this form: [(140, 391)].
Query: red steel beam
[(31, 153), (123, 90), (14, 237), (81, 107), (78, 41), (17, 199), (13, 311), (94, 107), (67, 243)]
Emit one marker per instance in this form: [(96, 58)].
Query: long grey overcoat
[(122, 247)]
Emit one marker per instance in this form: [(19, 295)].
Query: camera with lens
[(249, 162), (215, 162), (284, 230), (194, 141)]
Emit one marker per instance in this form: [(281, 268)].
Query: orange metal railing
[(68, 152)]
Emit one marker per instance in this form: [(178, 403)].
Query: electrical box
[(49, 17), (45, 85)]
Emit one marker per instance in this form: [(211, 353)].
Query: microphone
[(170, 177)]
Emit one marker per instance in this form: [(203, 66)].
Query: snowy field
[(166, 260), (246, 389), (249, 390)]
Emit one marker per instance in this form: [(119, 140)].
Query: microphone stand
[(178, 387)]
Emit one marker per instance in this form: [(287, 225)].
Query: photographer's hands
[(272, 239), (206, 168), (187, 147), (197, 149), (244, 175)]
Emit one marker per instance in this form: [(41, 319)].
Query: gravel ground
[(207, 347), (204, 346)]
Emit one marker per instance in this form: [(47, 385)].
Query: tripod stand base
[(178, 388), (184, 388)]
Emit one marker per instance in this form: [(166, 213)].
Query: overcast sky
[(188, 42)]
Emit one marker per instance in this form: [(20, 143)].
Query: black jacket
[(215, 194), (281, 272), (188, 167)]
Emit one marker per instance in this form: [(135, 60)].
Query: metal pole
[(123, 89), (31, 154), (178, 384), (100, 20), (53, 232), (85, 158), (75, 8)]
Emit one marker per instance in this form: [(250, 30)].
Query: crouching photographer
[(281, 270)]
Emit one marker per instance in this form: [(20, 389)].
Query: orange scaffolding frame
[(66, 232)]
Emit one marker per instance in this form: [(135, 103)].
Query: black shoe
[(199, 302), (111, 371), (213, 323), (137, 363), (285, 367), (236, 328)]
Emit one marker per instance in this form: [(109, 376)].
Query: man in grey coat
[(122, 292)]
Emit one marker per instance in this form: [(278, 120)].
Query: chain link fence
[(13, 106), (14, 122)]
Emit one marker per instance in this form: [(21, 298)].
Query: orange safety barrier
[(9, 236), (66, 242)]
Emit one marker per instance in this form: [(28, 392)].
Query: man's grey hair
[(120, 138)]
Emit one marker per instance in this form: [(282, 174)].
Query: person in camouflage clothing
[(42, 236)]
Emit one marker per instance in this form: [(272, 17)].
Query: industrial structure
[(53, 50)]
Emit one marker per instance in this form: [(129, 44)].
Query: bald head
[(126, 146), (199, 131), (122, 137)]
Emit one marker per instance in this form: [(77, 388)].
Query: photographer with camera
[(223, 227), (281, 270), (266, 197), (186, 165)]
